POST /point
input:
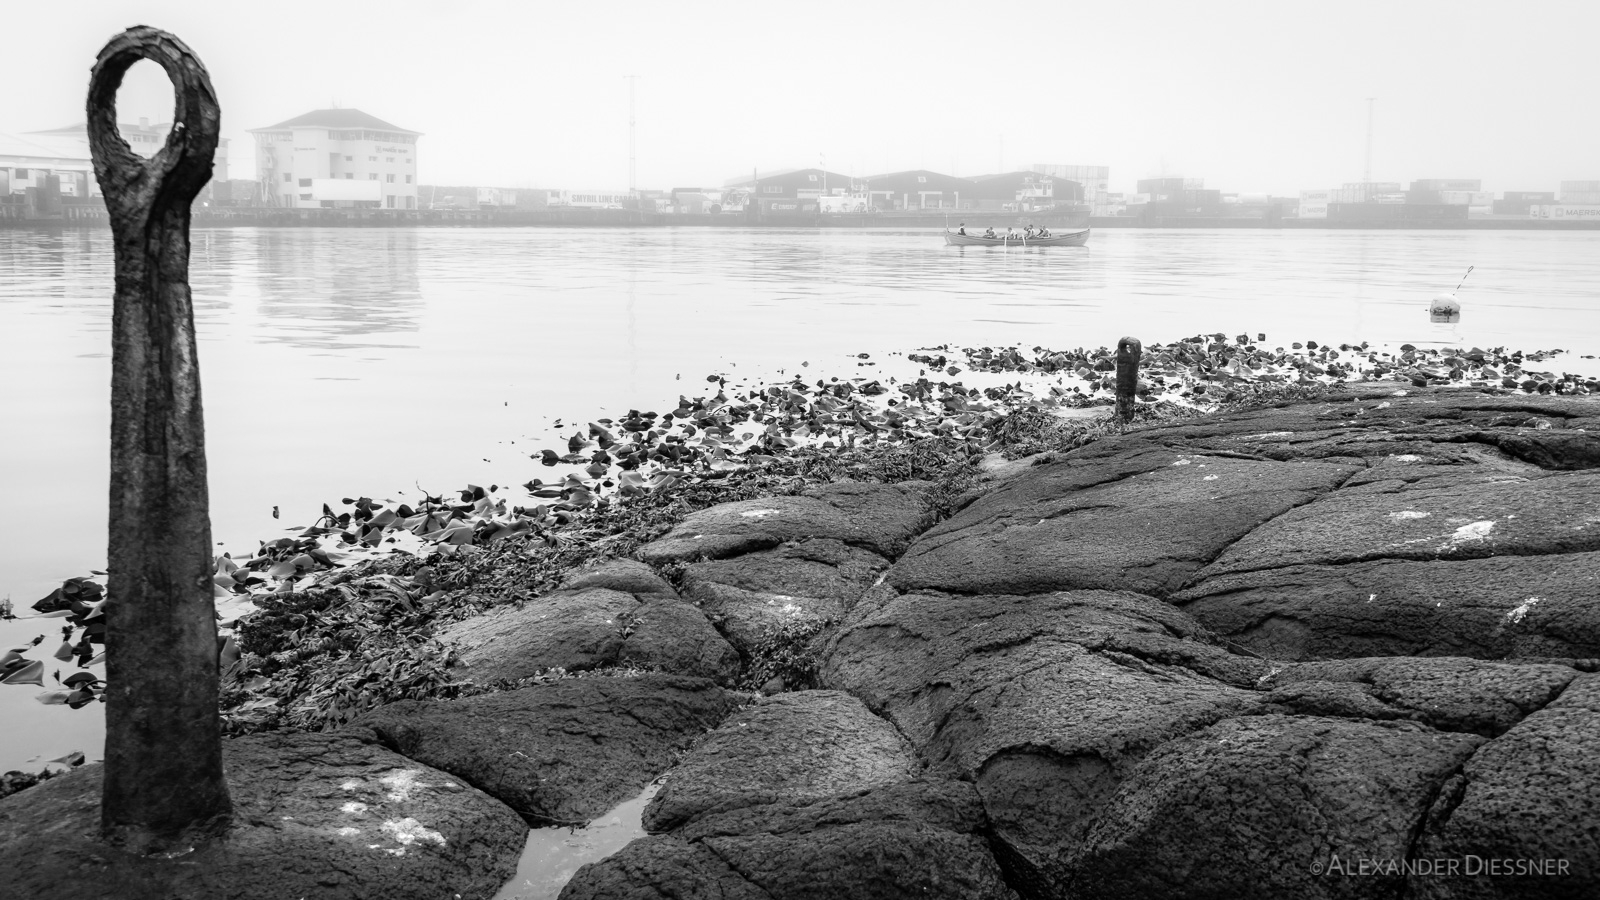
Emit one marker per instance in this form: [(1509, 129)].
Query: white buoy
[(1444, 308)]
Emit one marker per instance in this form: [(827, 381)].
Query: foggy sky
[(1252, 97)]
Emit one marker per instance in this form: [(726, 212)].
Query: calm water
[(383, 362)]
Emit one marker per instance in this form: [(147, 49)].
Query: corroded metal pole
[(163, 772), (1128, 352)]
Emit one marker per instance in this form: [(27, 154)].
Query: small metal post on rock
[(164, 781), (1128, 352)]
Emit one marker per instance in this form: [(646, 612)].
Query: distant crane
[(1366, 176), (632, 158)]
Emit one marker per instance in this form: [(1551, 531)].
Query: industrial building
[(337, 158), (1094, 182)]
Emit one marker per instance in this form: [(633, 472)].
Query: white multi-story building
[(333, 158)]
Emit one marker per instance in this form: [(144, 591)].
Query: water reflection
[(343, 292)]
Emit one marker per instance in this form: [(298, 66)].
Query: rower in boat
[(962, 228), (989, 232)]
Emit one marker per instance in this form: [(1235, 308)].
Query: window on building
[(411, 203), (372, 176), (812, 177), (772, 189), (408, 179), (349, 159), (327, 204), (305, 196), (349, 174), (922, 179), (288, 177), (389, 178), (389, 201), (22, 174), (305, 182)]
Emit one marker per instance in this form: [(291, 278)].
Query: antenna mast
[(1367, 175)]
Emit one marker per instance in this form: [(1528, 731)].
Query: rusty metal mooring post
[(163, 771), (1128, 352)]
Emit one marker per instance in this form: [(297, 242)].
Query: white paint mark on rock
[(409, 831), (402, 784), (1407, 457), (354, 808), (1210, 478), (347, 831), (351, 785), (1405, 514), (1182, 462), (1472, 531), (759, 513), (1515, 616)]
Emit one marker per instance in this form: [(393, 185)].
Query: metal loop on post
[(183, 165)]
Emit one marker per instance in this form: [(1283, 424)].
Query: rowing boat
[(1070, 239)]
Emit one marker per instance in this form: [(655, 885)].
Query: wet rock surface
[(1529, 795), (315, 815), (750, 595), (1046, 702), (793, 747), (1449, 694), (1243, 809), (1142, 523), (621, 613), (1491, 608), (920, 838), (883, 518), (558, 753)]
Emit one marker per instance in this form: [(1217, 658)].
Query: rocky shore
[(1344, 644)]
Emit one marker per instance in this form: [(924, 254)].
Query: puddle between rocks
[(553, 855)]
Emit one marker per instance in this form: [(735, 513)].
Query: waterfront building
[(59, 166), (337, 158), (144, 138), (795, 184), (918, 189), (1095, 182), (1177, 195), (1020, 192)]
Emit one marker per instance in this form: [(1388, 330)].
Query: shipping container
[(1395, 212), (1447, 184), (1530, 196), (1567, 212)]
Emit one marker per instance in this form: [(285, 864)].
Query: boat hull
[(1070, 239)]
